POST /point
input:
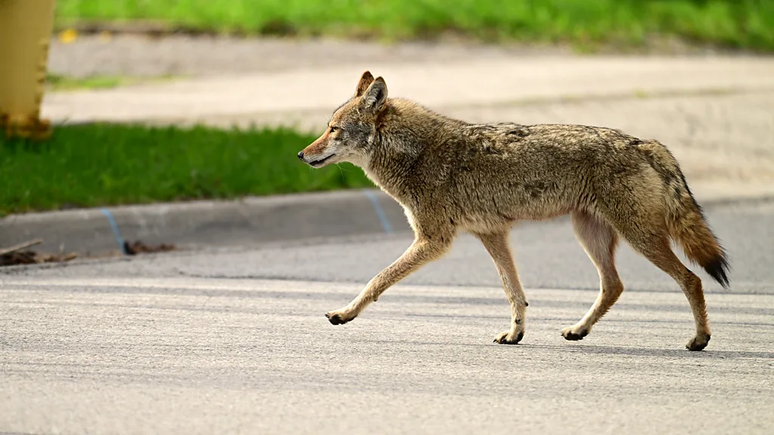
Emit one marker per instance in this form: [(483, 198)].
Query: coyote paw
[(508, 337), (338, 317), (698, 343), (574, 333)]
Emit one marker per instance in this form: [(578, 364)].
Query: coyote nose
[(301, 155)]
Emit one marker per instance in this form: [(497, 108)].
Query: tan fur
[(452, 176)]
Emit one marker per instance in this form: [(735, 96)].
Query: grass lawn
[(732, 23), (94, 165)]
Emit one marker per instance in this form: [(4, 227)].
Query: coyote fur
[(450, 176)]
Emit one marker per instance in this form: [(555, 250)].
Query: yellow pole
[(25, 31)]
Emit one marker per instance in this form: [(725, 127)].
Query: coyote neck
[(390, 168), (401, 146)]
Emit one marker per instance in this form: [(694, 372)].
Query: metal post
[(25, 32)]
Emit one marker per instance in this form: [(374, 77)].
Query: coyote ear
[(375, 96), (365, 80)]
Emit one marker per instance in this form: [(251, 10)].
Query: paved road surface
[(225, 356), (203, 343)]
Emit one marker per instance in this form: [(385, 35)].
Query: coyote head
[(352, 128)]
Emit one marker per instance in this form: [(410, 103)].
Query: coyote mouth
[(321, 161)]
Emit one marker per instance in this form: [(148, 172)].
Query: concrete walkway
[(304, 94)]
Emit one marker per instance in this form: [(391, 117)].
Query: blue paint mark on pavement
[(112, 221)]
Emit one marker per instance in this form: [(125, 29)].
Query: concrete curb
[(209, 223), (252, 220)]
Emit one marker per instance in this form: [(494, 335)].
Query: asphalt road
[(235, 341)]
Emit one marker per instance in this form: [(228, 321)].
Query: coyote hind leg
[(658, 251), (648, 235), (599, 240)]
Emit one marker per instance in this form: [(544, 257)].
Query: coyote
[(450, 175)]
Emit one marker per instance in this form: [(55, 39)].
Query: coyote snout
[(452, 176), (320, 152)]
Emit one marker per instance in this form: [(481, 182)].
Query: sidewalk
[(302, 94)]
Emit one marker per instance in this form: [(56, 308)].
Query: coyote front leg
[(422, 251), (496, 244)]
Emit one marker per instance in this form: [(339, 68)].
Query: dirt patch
[(32, 257), (20, 254), (139, 247)]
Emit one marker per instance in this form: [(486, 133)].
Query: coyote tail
[(686, 222)]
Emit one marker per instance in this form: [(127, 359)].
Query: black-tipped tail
[(718, 269)]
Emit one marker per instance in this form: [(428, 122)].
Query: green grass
[(56, 82), (96, 165), (63, 83), (732, 23)]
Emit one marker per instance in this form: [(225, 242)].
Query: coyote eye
[(333, 128)]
